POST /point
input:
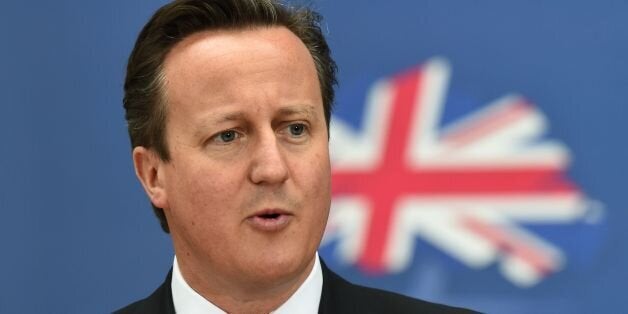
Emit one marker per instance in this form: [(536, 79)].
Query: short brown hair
[(143, 101)]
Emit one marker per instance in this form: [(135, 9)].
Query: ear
[(150, 172)]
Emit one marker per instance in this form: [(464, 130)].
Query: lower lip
[(270, 224)]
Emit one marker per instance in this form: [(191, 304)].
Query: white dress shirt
[(304, 300)]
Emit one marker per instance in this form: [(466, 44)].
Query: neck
[(237, 295)]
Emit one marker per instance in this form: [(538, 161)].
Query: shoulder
[(160, 301), (341, 296)]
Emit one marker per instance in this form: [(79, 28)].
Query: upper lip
[(270, 211)]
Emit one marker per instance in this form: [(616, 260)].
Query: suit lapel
[(160, 302), (337, 294)]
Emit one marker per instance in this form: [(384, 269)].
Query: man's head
[(228, 104), (144, 98)]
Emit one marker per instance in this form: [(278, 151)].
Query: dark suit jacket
[(338, 296)]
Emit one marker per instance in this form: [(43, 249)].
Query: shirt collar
[(304, 300)]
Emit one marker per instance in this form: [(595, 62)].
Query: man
[(228, 105)]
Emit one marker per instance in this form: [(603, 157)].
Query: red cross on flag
[(464, 188)]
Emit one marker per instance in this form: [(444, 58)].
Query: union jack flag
[(466, 187)]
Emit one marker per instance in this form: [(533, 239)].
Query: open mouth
[(270, 216), (270, 220)]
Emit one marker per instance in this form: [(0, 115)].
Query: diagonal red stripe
[(504, 240)]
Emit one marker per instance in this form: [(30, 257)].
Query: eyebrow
[(231, 116), (307, 110)]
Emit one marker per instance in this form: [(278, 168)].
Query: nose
[(268, 164)]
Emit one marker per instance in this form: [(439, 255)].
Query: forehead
[(222, 66), (225, 40)]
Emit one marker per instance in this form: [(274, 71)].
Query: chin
[(272, 267)]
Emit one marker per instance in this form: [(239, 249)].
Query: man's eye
[(297, 129), (226, 136)]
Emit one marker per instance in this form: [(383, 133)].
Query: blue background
[(78, 235)]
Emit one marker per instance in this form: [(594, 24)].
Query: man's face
[(247, 189)]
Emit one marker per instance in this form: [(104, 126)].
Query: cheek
[(323, 165), (318, 199), (318, 173), (202, 196)]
